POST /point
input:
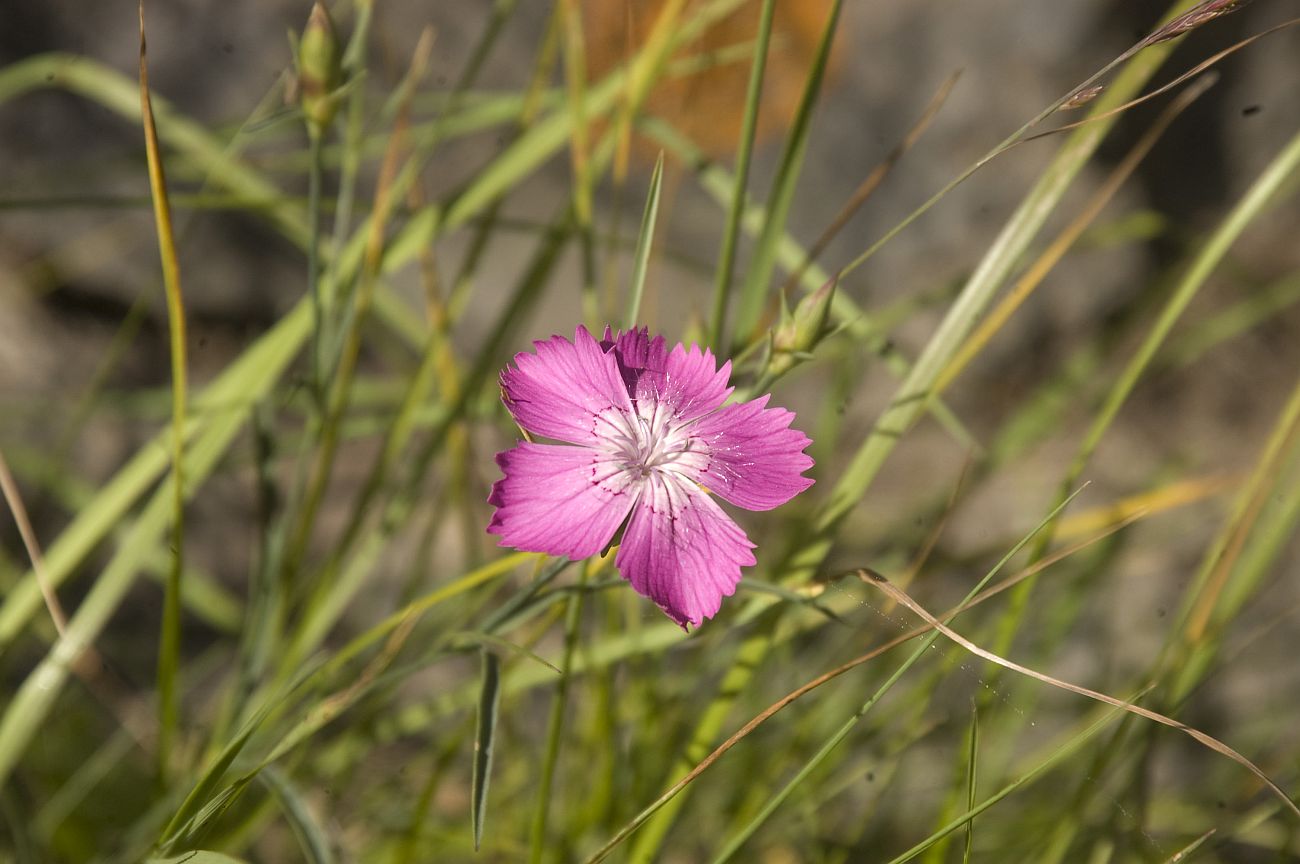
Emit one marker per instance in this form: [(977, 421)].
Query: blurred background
[(84, 368), (77, 251)]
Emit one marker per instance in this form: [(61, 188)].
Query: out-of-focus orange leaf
[(708, 105)]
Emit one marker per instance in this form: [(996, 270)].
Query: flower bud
[(319, 69), (797, 333)]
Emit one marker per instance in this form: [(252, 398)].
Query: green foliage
[(382, 683)]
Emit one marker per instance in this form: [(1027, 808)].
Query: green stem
[(736, 210), (319, 325), (170, 636), (572, 618)]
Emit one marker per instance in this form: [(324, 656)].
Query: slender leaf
[(736, 207), (972, 752), (489, 704), (170, 637), (641, 259), (758, 277), (315, 846)]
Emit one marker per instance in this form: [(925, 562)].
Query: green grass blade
[(737, 840), (488, 640), (793, 257), (111, 89), (204, 790), (641, 259), (1065, 751), (1261, 194), (758, 276), (1262, 519), (912, 395), (489, 705), (736, 208), (972, 752), (555, 727), (737, 678), (170, 636), (312, 842), (21, 844), (1259, 307), (247, 380)]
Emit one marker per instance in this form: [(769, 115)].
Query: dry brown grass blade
[(871, 577), (1164, 88), (397, 144), (15, 501), (1179, 493), (873, 181), (803, 690), (87, 665)]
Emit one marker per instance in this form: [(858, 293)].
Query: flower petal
[(566, 390), (560, 500), (680, 550), (755, 460), (687, 381)]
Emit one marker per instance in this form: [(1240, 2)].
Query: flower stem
[(319, 324), (572, 617)]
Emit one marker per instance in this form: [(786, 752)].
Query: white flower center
[(650, 441)]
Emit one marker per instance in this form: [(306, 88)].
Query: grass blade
[(170, 638), (971, 780), (759, 275), (184, 820), (555, 727), (1057, 249), (1214, 744), (14, 500), (489, 704), (1261, 194), (770, 806), (1181, 854), (227, 399), (641, 259), (913, 394), (1059, 755), (736, 208), (312, 842), (872, 181)]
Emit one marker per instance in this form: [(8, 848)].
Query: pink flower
[(646, 439)]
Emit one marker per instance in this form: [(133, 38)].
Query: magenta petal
[(565, 390), (680, 550), (686, 381), (755, 458), (558, 499)]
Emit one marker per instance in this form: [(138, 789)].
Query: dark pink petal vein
[(646, 439)]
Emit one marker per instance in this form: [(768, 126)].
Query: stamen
[(646, 440)]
